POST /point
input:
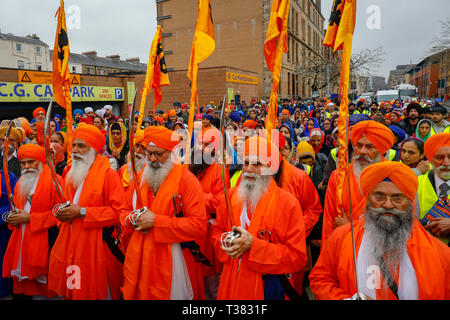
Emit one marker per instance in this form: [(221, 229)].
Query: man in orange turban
[(14, 142), (26, 257), (125, 171), (396, 257), (272, 231), (370, 140), (39, 114), (96, 196), (156, 266), (172, 115), (435, 185)]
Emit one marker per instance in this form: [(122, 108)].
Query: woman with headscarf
[(399, 135), (310, 124), (287, 130), (423, 130), (289, 152), (412, 153), (117, 145)]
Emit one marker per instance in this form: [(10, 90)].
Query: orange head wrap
[(37, 110), (304, 148), (25, 125), (160, 136), (31, 151), (380, 135), (400, 174), (211, 135), (171, 112), (285, 111), (138, 136), (264, 150), (159, 119), (91, 135), (435, 142), (251, 124)]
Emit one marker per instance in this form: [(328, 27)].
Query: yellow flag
[(339, 36), (156, 76), (203, 45), (274, 46), (61, 73)]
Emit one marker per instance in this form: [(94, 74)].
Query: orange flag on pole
[(274, 46), (203, 46), (157, 74), (339, 36), (61, 73)]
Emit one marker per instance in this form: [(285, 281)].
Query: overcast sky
[(126, 27)]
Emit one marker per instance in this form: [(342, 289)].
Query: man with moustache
[(272, 232), (14, 142), (26, 257), (82, 267), (209, 174), (370, 141), (125, 172), (409, 124), (156, 267), (435, 185), (396, 257)]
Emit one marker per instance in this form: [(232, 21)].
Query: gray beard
[(28, 179), (139, 162), (388, 234), (358, 168), (155, 173), (81, 164), (251, 191), (443, 176)]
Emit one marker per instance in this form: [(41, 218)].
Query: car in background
[(386, 95), (367, 96)]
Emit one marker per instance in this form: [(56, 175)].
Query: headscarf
[(317, 132), (31, 151), (117, 126), (305, 149), (379, 135), (435, 142), (399, 132), (398, 173), (161, 137), (418, 131), (91, 135), (292, 131), (316, 125)]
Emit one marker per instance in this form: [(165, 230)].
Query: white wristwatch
[(82, 212)]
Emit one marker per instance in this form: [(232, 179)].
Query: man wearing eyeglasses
[(156, 266), (397, 259)]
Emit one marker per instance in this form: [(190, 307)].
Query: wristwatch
[(82, 212)]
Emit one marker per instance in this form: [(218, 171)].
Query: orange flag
[(274, 46), (203, 46), (339, 36), (157, 74), (61, 73)]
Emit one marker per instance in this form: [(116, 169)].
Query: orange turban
[(91, 135), (37, 110), (380, 135), (304, 148), (263, 149), (435, 142), (31, 151), (285, 111), (25, 125), (171, 112), (159, 119), (138, 136), (211, 135), (251, 124), (161, 137), (400, 174)]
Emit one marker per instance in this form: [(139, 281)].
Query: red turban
[(285, 111), (265, 150), (91, 135), (378, 134), (435, 142), (37, 110), (251, 124), (31, 151), (159, 119), (161, 137), (400, 174)]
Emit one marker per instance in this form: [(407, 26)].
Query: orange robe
[(33, 247), (212, 185), (80, 243), (278, 212), (330, 206), (148, 259), (298, 183), (332, 277)]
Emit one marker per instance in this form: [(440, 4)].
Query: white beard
[(154, 177), (28, 179), (80, 167), (358, 168), (250, 191), (443, 175), (139, 162)]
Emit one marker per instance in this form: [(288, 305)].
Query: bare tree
[(442, 41), (363, 62)]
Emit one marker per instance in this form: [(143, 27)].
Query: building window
[(74, 69), (39, 66), (18, 47), (20, 64), (38, 51), (102, 72), (89, 70)]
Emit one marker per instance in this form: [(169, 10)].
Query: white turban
[(100, 112), (108, 107), (88, 109)]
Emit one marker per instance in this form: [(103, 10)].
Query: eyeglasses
[(395, 199)]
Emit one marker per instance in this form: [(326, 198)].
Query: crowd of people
[(167, 235)]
